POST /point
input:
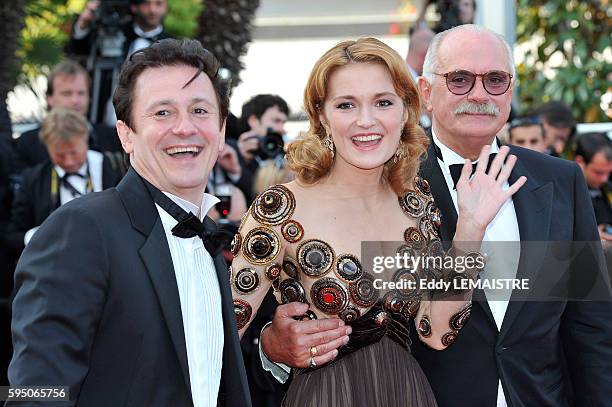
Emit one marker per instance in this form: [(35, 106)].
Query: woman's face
[(466, 11), (363, 114)]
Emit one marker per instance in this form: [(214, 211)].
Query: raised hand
[(481, 196)]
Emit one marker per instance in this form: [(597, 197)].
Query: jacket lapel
[(156, 257), (533, 206)]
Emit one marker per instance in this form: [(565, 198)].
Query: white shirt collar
[(208, 201), (451, 157), (148, 34), (61, 172)]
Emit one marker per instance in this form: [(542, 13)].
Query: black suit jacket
[(553, 353), (34, 201), (97, 307), (29, 151)]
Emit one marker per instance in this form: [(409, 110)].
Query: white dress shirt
[(502, 253), (200, 298)]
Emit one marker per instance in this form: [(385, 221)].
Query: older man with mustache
[(533, 347)]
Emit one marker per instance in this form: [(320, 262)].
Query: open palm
[(481, 196)]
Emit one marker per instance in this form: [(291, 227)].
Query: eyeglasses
[(462, 82)]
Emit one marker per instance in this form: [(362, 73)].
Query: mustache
[(477, 108)]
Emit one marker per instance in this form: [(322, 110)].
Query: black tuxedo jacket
[(34, 202), (29, 151), (97, 307), (553, 353)]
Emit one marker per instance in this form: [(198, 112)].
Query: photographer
[(144, 28), (105, 34), (263, 124)]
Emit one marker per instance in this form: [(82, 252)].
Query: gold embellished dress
[(375, 368)]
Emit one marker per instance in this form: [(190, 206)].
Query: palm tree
[(224, 28), (11, 23)]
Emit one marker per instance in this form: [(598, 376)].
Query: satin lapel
[(430, 170), (155, 255), (533, 206)]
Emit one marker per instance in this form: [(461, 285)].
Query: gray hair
[(430, 66)]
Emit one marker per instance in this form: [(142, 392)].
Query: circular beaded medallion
[(349, 314), (273, 206), (363, 292), (382, 318), (292, 231), (246, 280), (291, 290), (261, 245), (348, 268), (392, 302), (273, 271), (315, 257), (412, 204), (328, 295), (415, 239)]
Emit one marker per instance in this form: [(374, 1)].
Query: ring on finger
[(312, 363), (313, 351)]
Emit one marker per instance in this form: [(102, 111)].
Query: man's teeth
[(367, 138), (176, 150)]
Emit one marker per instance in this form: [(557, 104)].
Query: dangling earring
[(328, 143), (400, 153)]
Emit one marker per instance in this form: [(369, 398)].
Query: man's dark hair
[(590, 144), (556, 114), (258, 105), (168, 52), (525, 121), (65, 68)]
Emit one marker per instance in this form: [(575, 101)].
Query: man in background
[(527, 132)]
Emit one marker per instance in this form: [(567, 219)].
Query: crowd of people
[(116, 241)]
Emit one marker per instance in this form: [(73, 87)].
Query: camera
[(111, 16), (271, 145)]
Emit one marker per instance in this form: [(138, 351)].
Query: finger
[(504, 174), (320, 325), (323, 359), (483, 159), (328, 346), (324, 337), (516, 186), (290, 310), (466, 172), (498, 161)]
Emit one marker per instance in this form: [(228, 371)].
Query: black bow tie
[(189, 225), (455, 169)]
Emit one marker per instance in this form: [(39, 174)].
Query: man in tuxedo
[(123, 295), (517, 351), (68, 87), (72, 171)]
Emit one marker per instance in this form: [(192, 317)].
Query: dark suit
[(97, 307), (554, 353), (34, 200), (29, 151)]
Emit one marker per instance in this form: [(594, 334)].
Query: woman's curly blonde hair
[(307, 156)]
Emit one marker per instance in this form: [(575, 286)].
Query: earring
[(328, 143), (400, 153)]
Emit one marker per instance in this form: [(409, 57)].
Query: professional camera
[(111, 16), (271, 145)]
